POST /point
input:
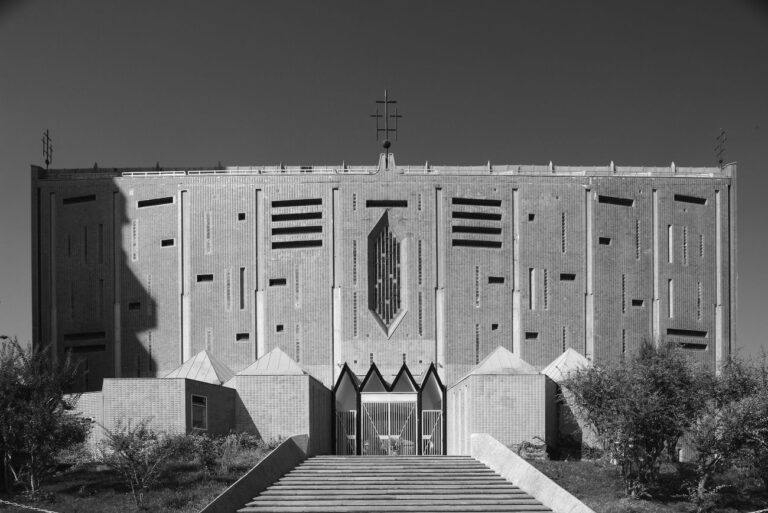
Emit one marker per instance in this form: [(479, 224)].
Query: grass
[(599, 486), (184, 488)]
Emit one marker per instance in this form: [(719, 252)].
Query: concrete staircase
[(422, 484)]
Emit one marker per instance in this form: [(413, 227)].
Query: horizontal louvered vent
[(476, 223), (297, 223)]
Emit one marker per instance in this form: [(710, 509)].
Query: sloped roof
[(203, 367), (571, 360), (274, 363), (502, 361)]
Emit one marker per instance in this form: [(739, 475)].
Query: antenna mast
[(720, 146), (47, 148)]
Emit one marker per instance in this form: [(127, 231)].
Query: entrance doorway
[(374, 417)]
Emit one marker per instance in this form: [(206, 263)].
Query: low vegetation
[(646, 410)]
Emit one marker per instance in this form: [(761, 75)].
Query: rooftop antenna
[(386, 116), (720, 146), (47, 148)]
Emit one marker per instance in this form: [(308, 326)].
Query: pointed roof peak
[(274, 363), (203, 367), (570, 361), (502, 361)]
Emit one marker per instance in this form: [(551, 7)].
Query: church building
[(383, 309)]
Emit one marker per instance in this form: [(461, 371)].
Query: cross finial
[(387, 129), (47, 148)]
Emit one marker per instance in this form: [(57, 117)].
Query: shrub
[(139, 454), (640, 408)]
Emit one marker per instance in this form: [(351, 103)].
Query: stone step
[(374, 503), (503, 485), (405, 494), (391, 508)]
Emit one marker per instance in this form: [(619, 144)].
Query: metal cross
[(386, 116), (720, 146), (47, 148)]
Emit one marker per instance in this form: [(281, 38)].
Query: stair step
[(393, 508)]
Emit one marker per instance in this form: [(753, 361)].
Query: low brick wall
[(279, 462)]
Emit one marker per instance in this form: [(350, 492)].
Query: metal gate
[(346, 432), (432, 432), (388, 424)]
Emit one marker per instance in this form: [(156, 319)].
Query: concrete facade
[(137, 270)]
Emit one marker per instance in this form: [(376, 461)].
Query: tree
[(640, 408), (36, 420)]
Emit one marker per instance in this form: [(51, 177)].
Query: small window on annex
[(199, 412)]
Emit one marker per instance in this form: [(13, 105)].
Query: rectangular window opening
[(677, 332), (290, 230), (476, 215), (567, 277), (204, 277), (297, 244), (638, 302), (476, 229), (531, 335), (684, 198), (494, 326), (279, 328), (79, 199), (297, 202), (85, 335), (134, 305), (200, 412), (167, 242), (604, 241), (613, 200), (155, 202), (496, 279), (478, 202), (467, 243), (531, 217), (386, 203), (277, 282), (241, 216), (299, 216), (692, 346), (242, 337)]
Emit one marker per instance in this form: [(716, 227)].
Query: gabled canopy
[(203, 367), (570, 361), (274, 363), (404, 381), (374, 382), (502, 361)]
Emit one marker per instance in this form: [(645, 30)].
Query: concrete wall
[(511, 408), (576, 257), (282, 406)]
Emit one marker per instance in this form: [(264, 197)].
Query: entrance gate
[(388, 424), (401, 418)]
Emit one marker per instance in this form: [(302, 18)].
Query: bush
[(139, 454), (640, 408)]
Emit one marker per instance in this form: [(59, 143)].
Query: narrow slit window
[(482, 216), (637, 239), (671, 298), (531, 288), (477, 286), (79, 199), (354, 314), (477, 202), (562, 232), (477, 344), (297, 244), (420, 263), (677, 332), (305, 202), (469, 243), (386, 203), (546, 290), (354, 261), (613, 200), (685, 245), (683, 198), (623, 293), (670, 244), (242, 288)]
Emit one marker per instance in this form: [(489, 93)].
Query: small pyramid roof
[(274, 363), (571, 360), (203, 367), (502, 361)]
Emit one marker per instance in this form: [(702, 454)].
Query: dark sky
[(193, 83)]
